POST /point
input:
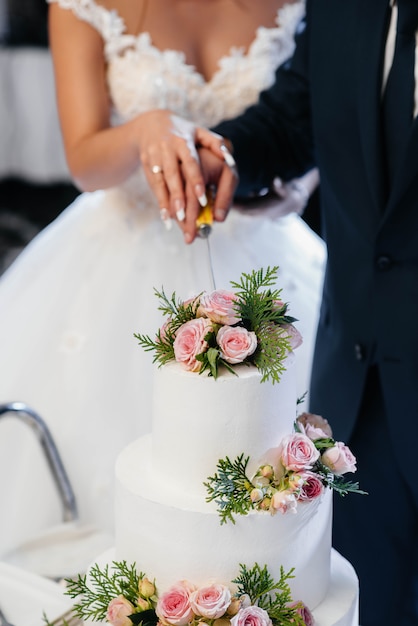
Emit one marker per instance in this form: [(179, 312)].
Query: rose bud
[(146, 588), (256, 495), (234, 607), (142, 604), (267, 471)]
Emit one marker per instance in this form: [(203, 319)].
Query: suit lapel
[(372, 29)]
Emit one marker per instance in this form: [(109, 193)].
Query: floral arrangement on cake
[(122, 596), (306, 462), (248, 325)]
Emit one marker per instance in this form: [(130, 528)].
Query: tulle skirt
[(69, 308)]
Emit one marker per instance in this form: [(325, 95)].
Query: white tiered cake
[(165, 525), (225, 448)]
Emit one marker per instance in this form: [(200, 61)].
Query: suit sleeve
[(274, 137)]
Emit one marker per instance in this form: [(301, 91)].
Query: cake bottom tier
[(338, 608)]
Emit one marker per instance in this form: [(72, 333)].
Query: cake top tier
[(197, 420)]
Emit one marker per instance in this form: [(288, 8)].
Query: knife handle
[(205, 218)]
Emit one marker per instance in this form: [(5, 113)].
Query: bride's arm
[(101, 156)]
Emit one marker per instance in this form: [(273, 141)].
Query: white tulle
[(70, 304)]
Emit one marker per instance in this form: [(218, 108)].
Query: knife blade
[(204, 228)]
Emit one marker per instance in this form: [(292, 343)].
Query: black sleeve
[(274, 137)]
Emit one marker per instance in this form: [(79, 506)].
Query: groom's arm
[(274, 137)]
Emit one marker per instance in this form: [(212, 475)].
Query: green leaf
[(230, 488)]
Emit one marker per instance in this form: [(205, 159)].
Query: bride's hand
[(167, 152)]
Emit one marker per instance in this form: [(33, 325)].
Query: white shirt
[(390, 51)]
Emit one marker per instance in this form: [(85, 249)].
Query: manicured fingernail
[(228, 158), (220, 214), (188, 238), (181, 215), (201, 195), (165, 216)]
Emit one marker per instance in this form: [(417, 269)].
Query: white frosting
[(198, 420), (165, 525)]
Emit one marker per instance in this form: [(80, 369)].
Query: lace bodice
[(142, 77)]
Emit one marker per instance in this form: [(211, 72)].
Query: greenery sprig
[(275, 597), (230, 488), (252, 586), (106, 584), (236, 493)]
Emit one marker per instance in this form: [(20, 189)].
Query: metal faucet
[(30, 417)]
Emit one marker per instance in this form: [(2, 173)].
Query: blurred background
[(34, 182), (35, 185)]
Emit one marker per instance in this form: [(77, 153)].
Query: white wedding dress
[(71, 303)]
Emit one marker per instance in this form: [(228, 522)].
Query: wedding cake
[(228, 493)]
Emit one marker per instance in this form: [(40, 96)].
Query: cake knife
[(204, 228)]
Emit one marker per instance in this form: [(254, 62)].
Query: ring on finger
[(157, 169)]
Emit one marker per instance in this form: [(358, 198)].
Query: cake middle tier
[(174, 535)]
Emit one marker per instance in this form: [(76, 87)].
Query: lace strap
[(108, 23)]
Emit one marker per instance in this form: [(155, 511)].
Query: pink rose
[(164, 330), (193, 302), (293, 335), (173, 606), (304, 612), (314, 424), (297, 452), (118, 611), (251, 616), (211, 601), (219, 306), (190, 341), (311, 487), (236, 343), (278, 305), (283, 501), (339, 459)]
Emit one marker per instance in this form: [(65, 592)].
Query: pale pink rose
[(219, 306), (211, 601), (278, 305), (236, 343), (339, 459), (314, 433), (193, 301), (190, 341), (284, 501), (173, 606), (163, 330), (251, 616), (118, 611), (297, 452), (311, 488), (293, 336), (315, 422), (304, 612)]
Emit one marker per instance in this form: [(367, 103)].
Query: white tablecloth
[(25, 597)]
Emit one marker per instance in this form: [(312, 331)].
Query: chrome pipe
[(37, 424)]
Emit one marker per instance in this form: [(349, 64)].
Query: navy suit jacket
[(324, 109)]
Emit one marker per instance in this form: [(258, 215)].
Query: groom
[(347, 102)]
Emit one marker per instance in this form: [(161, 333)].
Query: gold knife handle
[(205, 218)]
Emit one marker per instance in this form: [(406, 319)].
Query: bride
[(71, 303)]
